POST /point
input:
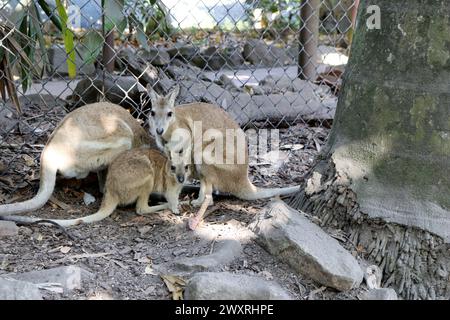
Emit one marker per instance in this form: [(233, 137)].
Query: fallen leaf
[(149, 270), (29, 161), (175, 285), (65, 249)]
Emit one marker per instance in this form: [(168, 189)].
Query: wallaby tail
[(107, 208), (253, 193), (46, 186)]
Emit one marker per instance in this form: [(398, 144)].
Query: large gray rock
[(8, 229), (245, 108), (58, 61), (11, 289), (257, 52), (70, 277), (213, 58), (380, 294), (156, 56), (228, 286), (291, 237), (226, 251)]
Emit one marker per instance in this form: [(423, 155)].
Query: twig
[(83, 256)]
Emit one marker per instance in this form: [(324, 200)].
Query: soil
[(125, 250)]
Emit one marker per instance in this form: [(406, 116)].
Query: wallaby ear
[(152, 93), (173, 94)]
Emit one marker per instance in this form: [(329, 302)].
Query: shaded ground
[(127, 253)]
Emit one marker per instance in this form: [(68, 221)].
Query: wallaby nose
[(180, 179), (159, 131)]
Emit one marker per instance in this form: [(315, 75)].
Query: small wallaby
[(86, 140), (165, 120), (132, 176)]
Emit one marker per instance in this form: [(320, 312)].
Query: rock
[(257, 52), (8, 229), (372, 276), (156, 56), (290, 236), (122, 90), (58, 61), (307, 104), (182, 51), (214, 59), (11, 289), (70, 277), (226, 251), (380, 294), (228, 286)]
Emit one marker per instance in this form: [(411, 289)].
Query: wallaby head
[(162, 112), (179, 163)]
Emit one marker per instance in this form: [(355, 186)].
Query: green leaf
[(36, 18), (68, 40), (50, 14), (141, 37), (93, 43), (113, 13)]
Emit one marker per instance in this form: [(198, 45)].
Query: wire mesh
[(242, 55)]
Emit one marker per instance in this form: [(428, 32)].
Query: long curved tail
[(251, 192), (107, 208), (46, 186)]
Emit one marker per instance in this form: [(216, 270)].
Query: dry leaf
[(149, 270), (29, 161), (175, 285), (65, 249)]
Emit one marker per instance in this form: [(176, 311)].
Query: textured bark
[(384, 178), (391, 133)]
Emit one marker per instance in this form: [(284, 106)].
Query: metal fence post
[(308, 39)]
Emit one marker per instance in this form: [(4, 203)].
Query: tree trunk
[(385, 180)]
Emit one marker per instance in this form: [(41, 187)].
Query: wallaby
[(132, 176), (166, 120), (86, 140)]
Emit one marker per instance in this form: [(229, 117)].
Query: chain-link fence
[(270, 64)]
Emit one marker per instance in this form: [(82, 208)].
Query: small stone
[(380, 294), (8, 229), (11, 289), (228, 286), (70, 277)]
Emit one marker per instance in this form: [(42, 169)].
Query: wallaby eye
[(152, 113), (172, 168), (181, 151), (169, 114), (186, 167)]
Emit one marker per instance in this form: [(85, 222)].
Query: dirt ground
[(127, 253)]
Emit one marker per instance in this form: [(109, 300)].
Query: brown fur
[(232, 178), (132, 177), (86, 140)]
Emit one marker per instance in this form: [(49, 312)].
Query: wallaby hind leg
[(206, 188), (142, 206)]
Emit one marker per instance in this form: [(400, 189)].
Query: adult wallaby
[(86, 140), (181, 124), (132, 176)]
